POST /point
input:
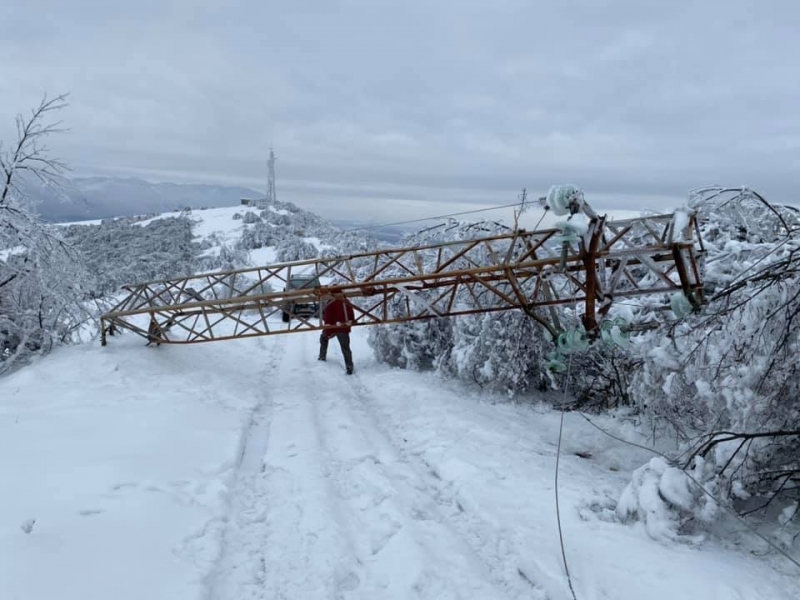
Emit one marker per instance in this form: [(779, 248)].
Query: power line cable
[(456, 214), (544, 214), (558, 460)]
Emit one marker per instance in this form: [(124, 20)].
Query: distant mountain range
[(102, 197), (87, 198)]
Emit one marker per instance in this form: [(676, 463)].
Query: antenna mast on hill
[(272, 195)]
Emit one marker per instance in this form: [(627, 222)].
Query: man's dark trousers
[(344, 342)]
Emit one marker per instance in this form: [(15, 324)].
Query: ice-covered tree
[(293, 248), (43, 292), (499, 351), (503, 351), (259, 235), (725, 382)]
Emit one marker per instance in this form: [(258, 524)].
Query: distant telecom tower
[(272, 194)]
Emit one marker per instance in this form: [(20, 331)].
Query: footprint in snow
[(348, 582)]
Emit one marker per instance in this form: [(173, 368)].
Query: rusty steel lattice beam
[(528, 270)]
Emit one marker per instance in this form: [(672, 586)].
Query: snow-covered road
[(249, 470), (325, 506)]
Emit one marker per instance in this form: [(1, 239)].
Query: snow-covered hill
[(238, 226), (128, 250)]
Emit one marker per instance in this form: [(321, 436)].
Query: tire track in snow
[(406, 544), (287, 538), (495, 548), (324, 505), (241, 505)]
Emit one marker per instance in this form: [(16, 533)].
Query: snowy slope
[(219, 227), (248, 469)]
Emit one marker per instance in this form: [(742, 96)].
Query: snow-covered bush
[(293, 248), (418, 345), (225, 259), (258, 236), (251, 217), (503, 351), (669, 504), (276, 218), (347, 243), (600, 376)]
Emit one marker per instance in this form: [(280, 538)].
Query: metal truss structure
[(528, 270)]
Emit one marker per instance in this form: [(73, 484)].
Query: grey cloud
[(629, 100)]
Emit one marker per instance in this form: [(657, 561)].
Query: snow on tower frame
[(585, 261)]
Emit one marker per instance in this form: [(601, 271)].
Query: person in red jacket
[(339, 312)]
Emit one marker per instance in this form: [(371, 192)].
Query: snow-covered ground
[(249, 470), (219, 222)]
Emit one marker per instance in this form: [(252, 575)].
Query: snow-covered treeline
[(120, 251), (505, 351), (721, 385)]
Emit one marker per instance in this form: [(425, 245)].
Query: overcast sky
[(406, 108)]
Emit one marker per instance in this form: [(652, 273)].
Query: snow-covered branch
[(42, 280)]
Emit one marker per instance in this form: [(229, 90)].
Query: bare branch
[(29, 153)]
